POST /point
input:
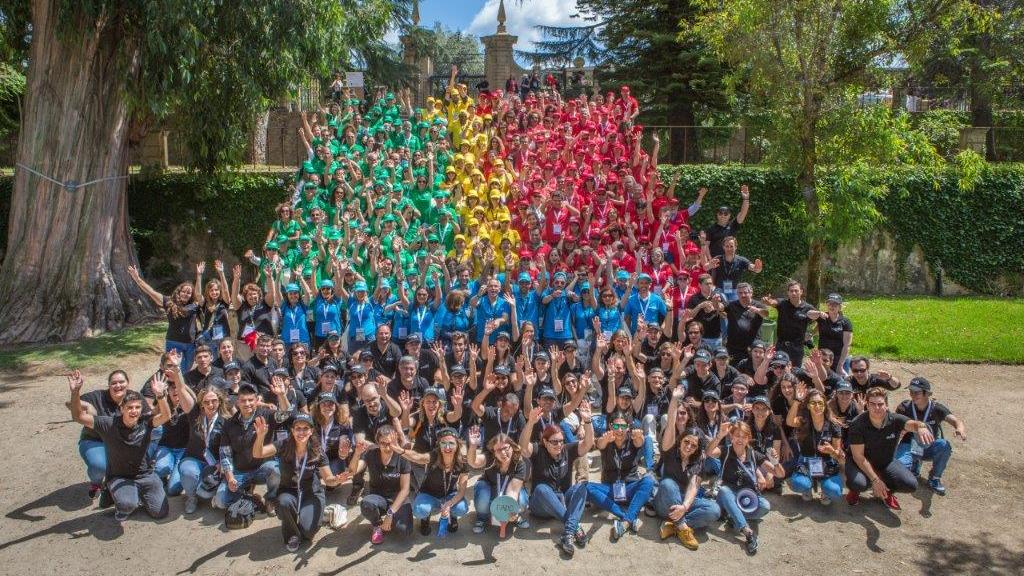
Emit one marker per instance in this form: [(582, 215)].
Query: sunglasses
[(556, 441), (447, 445), (620, 426), (859, 370)]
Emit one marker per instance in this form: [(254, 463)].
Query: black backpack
[(241, 513)]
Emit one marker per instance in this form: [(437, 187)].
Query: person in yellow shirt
[(460, 252), (504, 231), (495, 202), (507, 257)]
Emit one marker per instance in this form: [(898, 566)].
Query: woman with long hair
[(819, 448), (385, 505), (623, 491), (443, 488), (300, 498), (181, 308), (205, 420), (504, 474)]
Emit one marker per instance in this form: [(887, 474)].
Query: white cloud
[(391, 36), (521, 18)]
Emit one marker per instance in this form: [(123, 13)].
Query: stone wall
[(874, 265)]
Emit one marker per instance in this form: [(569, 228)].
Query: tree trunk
[(257, 149), (981, 90), (64, 274), (682, 136), (806, 179)]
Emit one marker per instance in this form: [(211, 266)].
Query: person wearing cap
[(333, 430), (744, 317), (725, 225), (623, 490), (528, 298), (677, 500), (304, 469), (874, 436), (582, 314), (362, 322), (505, 417), (819, 448), (708, 420), (442, 489), (707, 306), (845, 407), (795, 316), (921, 406), (767, 435), (835, 333), (643, 303), (556, 328), (700, 378), (130, 480), (555, 494), (237, 463), (294, 310), (722, 370), (741, 469), (422, 311), (435, 413)]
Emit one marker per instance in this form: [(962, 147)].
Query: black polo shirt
[(125, 447), (240, 436), (555, 472), (386, 361), (879, 443)]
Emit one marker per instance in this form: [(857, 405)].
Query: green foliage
[(446, 47), (975, 234), (237, 209), (942, 128), (103, 351)]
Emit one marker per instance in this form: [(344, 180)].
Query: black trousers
[(896, 477), (299, 520), (375, 506)]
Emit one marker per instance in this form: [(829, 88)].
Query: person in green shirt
[(284, 225)]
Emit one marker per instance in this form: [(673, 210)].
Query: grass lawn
[(103, 350), (939, 329)]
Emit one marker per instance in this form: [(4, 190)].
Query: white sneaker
[(825, 500), (336, 516)]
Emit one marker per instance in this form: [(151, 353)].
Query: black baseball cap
[(702, 355), (710, 394), (920, 383), (843, 386), (414, 338), (547, 392), (459, 369), (326, 397), (779, 359), (329, 367), (231, 366), (721, 352), (625, 392), (365, 355), (502, 371)]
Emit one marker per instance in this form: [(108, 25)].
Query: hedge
[(975, 234)]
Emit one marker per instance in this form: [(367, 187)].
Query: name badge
[(556, 228), (652, 409), (619, 491), (325, 327), (727, 286), (293, 335), (218, 332), (403, 332), (915, 448), (360, 335), (559, 325), (816, 467)]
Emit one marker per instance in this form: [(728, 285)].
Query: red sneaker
[(892, 502), (852, 497)]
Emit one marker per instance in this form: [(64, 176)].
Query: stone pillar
[(499, 63), (153, 150), (421, 63)]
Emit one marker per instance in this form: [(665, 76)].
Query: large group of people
[(462, 308)]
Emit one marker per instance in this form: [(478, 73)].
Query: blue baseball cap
[(360, 286), (326, 284), (293, 287), (622, 275), (524, 277)]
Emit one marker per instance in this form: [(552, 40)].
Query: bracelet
[(162, 396), (389, 513), (588, 421)]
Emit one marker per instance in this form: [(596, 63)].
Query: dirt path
[(48, 524)]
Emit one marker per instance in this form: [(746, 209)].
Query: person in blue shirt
[(644, 303), (582, 314), (384, 303), (453, 317), (608, 317), (488, 305), (423, 310), (528, 299), (621, 285), (294, 329), (326, 312), (362, 322), (557, 320)]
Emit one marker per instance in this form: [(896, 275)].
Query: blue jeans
[(545, 502), (188, 352), (712, 467), (268, 473), (600, 424), (938, 452), (167, 460), (638, 493), (190, 472), (482, 495), (702, 513), (727, 502), (831, 486), (95, 457), (425, 506), (570, 437), (154, 442)]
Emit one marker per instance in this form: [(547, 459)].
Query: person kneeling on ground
[(922, 407), (385, 505), (129, 473)]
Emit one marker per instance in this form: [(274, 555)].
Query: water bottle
[(442, 527)]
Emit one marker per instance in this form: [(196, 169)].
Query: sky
[(479, 17)]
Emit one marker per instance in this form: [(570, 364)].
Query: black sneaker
[(94, 491), (425, 526), (581, 538), (353, 497), (751, 543), (453, 524), (566, 547), (106, 500)]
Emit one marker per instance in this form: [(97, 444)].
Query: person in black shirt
[(744, 317), (845, 407), (303, 374), (767, 436), (835, 332), (504, 474), (506, 418), (794, 316), (754, 357), (699, 377), (922, 407), (555, 495), (819, 447), (181, 309), (443, 489), (407, 383), (723, 371), (862, 379), (725, 225), (427, 360), (741, 470), (432, 417), (174, 439), (873, 438), (709, 420), (259, 368), (300, 499), (254, 309), (386, 353), (707, 307), (621, 484), (129, 473), (333, 430), (237, 464), (204, 371), (728, 269), (386, 505), (90, 445), (676, 500), (205, 423)]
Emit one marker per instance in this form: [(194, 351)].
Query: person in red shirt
[(556, 217)]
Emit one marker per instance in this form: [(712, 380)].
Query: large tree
[(637, 42), (101, 72), (803, 62)]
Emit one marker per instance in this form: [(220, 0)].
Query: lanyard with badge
[(295, 317), (816, 464), (619, 487), (727, 269), (300, 469), (501, 491), (644, 305), (559, 308), (750, 472), (325, 434), (209, 425), (915, 447), (360, 333)]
